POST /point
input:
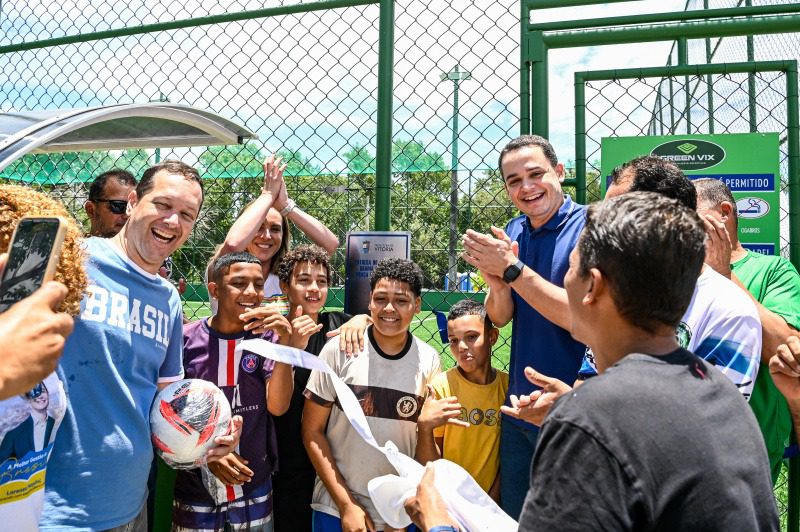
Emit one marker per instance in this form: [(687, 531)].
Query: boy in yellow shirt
[(460, 420)]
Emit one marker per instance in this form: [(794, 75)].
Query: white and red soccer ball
[(186, 417)]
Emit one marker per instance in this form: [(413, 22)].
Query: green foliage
[(73, 167)]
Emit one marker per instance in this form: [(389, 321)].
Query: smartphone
[(32, 257)]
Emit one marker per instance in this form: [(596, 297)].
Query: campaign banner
[(364, 251), (749, 163)]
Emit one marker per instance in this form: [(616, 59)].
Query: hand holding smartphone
[(32, 257)]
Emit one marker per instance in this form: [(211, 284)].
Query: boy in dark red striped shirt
[(237, 490)]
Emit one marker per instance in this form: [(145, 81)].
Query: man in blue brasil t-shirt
[(126, 345)]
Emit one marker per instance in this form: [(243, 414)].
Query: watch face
[(511, 273)]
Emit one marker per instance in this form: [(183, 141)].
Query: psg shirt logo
[(250, 363)]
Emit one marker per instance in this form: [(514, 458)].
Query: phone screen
[(28, 258)]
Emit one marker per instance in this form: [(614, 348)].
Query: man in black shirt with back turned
[(660, 440)]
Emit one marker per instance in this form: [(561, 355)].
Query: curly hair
[(16, 202), (403, 270), (304, 253)]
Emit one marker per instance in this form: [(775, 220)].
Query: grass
[(423, 326)]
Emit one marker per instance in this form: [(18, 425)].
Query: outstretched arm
[(315, 230)]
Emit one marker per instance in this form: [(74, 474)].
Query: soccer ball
[(185, 419)]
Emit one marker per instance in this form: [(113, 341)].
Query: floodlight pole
[(456, 76)]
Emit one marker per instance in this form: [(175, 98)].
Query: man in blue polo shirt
[(524, 268)]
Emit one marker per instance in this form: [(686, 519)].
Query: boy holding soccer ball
[(235, 493)]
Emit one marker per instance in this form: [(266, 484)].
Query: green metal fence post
[(580, 139), (793, 141), (539, 111), (709, 89), (683, 59), (751, 80), (524, 71), (672, 126), (383, 151)]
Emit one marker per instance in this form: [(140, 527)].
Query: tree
[(67, 175), (420, 199)]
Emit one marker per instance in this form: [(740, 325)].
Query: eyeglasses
[(114, 205)]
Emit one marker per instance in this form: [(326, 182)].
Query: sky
[(308, 82)]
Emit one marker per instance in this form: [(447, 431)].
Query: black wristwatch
[(511, 273)]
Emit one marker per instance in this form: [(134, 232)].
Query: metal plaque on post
[(364, 251)]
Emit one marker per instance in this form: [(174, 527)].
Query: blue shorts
[(322, 522), (253, 514)]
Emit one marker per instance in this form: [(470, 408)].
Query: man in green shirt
[(775, 284)]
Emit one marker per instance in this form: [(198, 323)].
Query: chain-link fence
[(658, 106), (307, 84)]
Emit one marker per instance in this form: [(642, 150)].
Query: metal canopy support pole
[(383, 152)]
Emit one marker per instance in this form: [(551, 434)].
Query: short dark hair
[(222, 265), (98, 187), (304, 253), (467, 307), (173, 167), (654, 174), (651, 249), (715, 191), (528, 140), (404, 270)]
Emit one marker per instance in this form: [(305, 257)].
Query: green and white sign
[(748, 163)]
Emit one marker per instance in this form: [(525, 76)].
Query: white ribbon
[(466, 501)]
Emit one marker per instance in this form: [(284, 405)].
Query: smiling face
[(392, 306), (268, 240), (471, 341), (41, 402), (161, 220), (240, 289), (308, 287), (532, 184)]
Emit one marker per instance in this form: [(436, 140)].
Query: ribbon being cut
[(466, 501)]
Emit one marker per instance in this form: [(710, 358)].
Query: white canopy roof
[(114, 127)]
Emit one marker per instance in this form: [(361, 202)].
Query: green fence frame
[(536, 39)]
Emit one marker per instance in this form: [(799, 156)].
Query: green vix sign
[(691, 155), (748, 163)]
